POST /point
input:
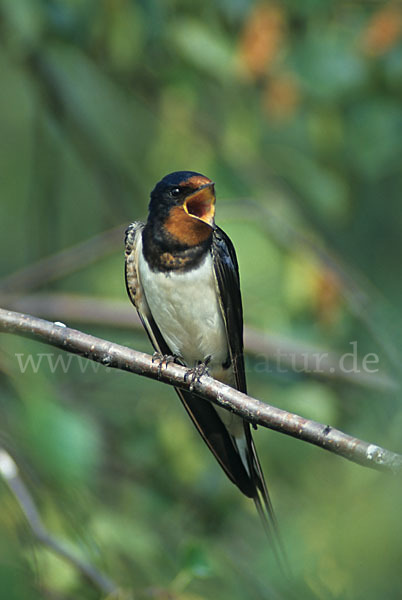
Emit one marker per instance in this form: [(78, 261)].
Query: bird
[(182, 276)]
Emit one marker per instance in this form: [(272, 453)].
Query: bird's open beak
[(201, 203)]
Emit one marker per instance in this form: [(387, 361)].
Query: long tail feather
[(264, 505)]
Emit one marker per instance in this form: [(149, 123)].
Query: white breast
[(185, 308)]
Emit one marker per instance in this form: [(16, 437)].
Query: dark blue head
[(176, 184), (190, 190)]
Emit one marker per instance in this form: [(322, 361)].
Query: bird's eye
[(175, 192)]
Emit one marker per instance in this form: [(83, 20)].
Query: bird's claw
[(194, 375), (163, 360)]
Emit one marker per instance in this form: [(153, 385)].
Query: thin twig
[(255, 411), (10, 473), (272, 350)]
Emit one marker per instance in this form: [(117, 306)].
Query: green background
[(294, 110)]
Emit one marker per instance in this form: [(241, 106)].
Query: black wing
[(228, 285)]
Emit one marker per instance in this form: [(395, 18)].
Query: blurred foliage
[(294, 109)]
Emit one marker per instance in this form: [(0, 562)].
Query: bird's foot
[(193, 375), (163, 360)]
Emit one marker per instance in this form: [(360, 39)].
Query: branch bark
[(271, 349), (9, 471), (253, 410)]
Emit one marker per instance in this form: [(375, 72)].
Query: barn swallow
[(182, 276)]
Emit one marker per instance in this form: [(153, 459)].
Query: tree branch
[(256, 412), (273, 349), (10, 473)]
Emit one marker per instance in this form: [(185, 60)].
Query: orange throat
[(186, 229)]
